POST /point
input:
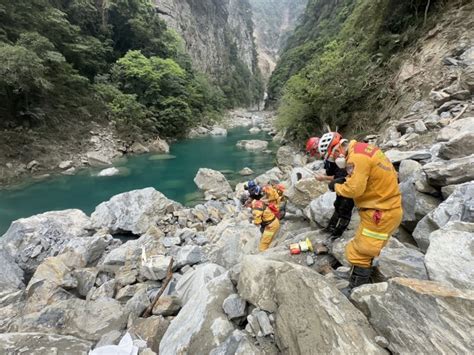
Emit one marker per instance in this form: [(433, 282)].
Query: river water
[(172, 175)]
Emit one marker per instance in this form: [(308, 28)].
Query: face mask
[(341, 162)]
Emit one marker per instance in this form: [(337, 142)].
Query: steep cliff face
[(273, 21), (214, 31)]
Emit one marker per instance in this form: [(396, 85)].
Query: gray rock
[(32, 165), (449, 132), (188, 255), (127, 292), (239, 343), (213, 183), (155, 267), (234, 306), (451, 172), (304, 191), (201, 325), (150, 329), (396, 260), (105, 290), (447, 191), (135, 211), (138, 148), (111, 338), (458, 146), (195, 280), (64, 165), (253, 145), (168, 242), (246, 172), (42, 344), (288, 157), (167, 306), (85, 280), (11, 275), (90, 248), (416, 205), (264, 323), (321, 209), (86, 319), (309, 260), (218, 131), (31, 240), (159, 146), (420, 127), (109, 172), (138, 303), (97, 159), (286, 289), (230, 240), (439, 97), (255, 130), (273, 175), (396, 156), (418, 316), (450, 256), (458, 207)]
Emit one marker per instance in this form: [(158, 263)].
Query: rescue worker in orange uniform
[(265, 214), (373, 185)]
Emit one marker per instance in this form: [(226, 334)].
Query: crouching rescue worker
[(372, 183), (329, 148), (252, 191), (265, 214)]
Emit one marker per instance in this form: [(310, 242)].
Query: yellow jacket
[(262, 213), (372, 181)]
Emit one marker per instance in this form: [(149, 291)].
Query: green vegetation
[(336, 61), (115, 59)]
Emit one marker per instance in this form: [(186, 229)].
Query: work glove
[(333, 183)]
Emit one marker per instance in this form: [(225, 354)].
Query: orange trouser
[(372, 235), (268, 235)]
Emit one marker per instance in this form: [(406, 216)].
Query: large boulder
[(418, 316), (150, 329), (309, 313), (201, 325), (416, 205), (31, 240), (411, 170), (42, 344), (450, 256), (288, 157), (135, 211), (396, 156), (213, 183), (159, 146), (453, 129), (458, 207), (218, 131), (450, 172), (253, 145), (273, 175), (11, 275), (458, 147), (321, 209), (397, 260), (88, 320), (230, 241), (304, 191)]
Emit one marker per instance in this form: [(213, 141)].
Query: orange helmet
[(280, 188), (312, 146)]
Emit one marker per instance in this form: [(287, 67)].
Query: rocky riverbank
[(35, 154), (69, 285)]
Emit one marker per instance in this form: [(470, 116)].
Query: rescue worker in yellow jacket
[(265, 214), (373, 185)]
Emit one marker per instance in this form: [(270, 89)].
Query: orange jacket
[(262, 213), (372, 181)]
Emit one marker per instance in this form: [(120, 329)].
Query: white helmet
[(326, 140)]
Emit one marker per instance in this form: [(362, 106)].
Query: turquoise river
[(172, 175)]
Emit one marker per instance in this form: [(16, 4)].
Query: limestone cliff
[(211, 30)]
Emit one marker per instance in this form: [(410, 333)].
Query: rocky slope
[(69, 286), (273, 21), (210, 28)]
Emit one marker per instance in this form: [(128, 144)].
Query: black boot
[(341, 227), (359, 276), (332, 223)]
